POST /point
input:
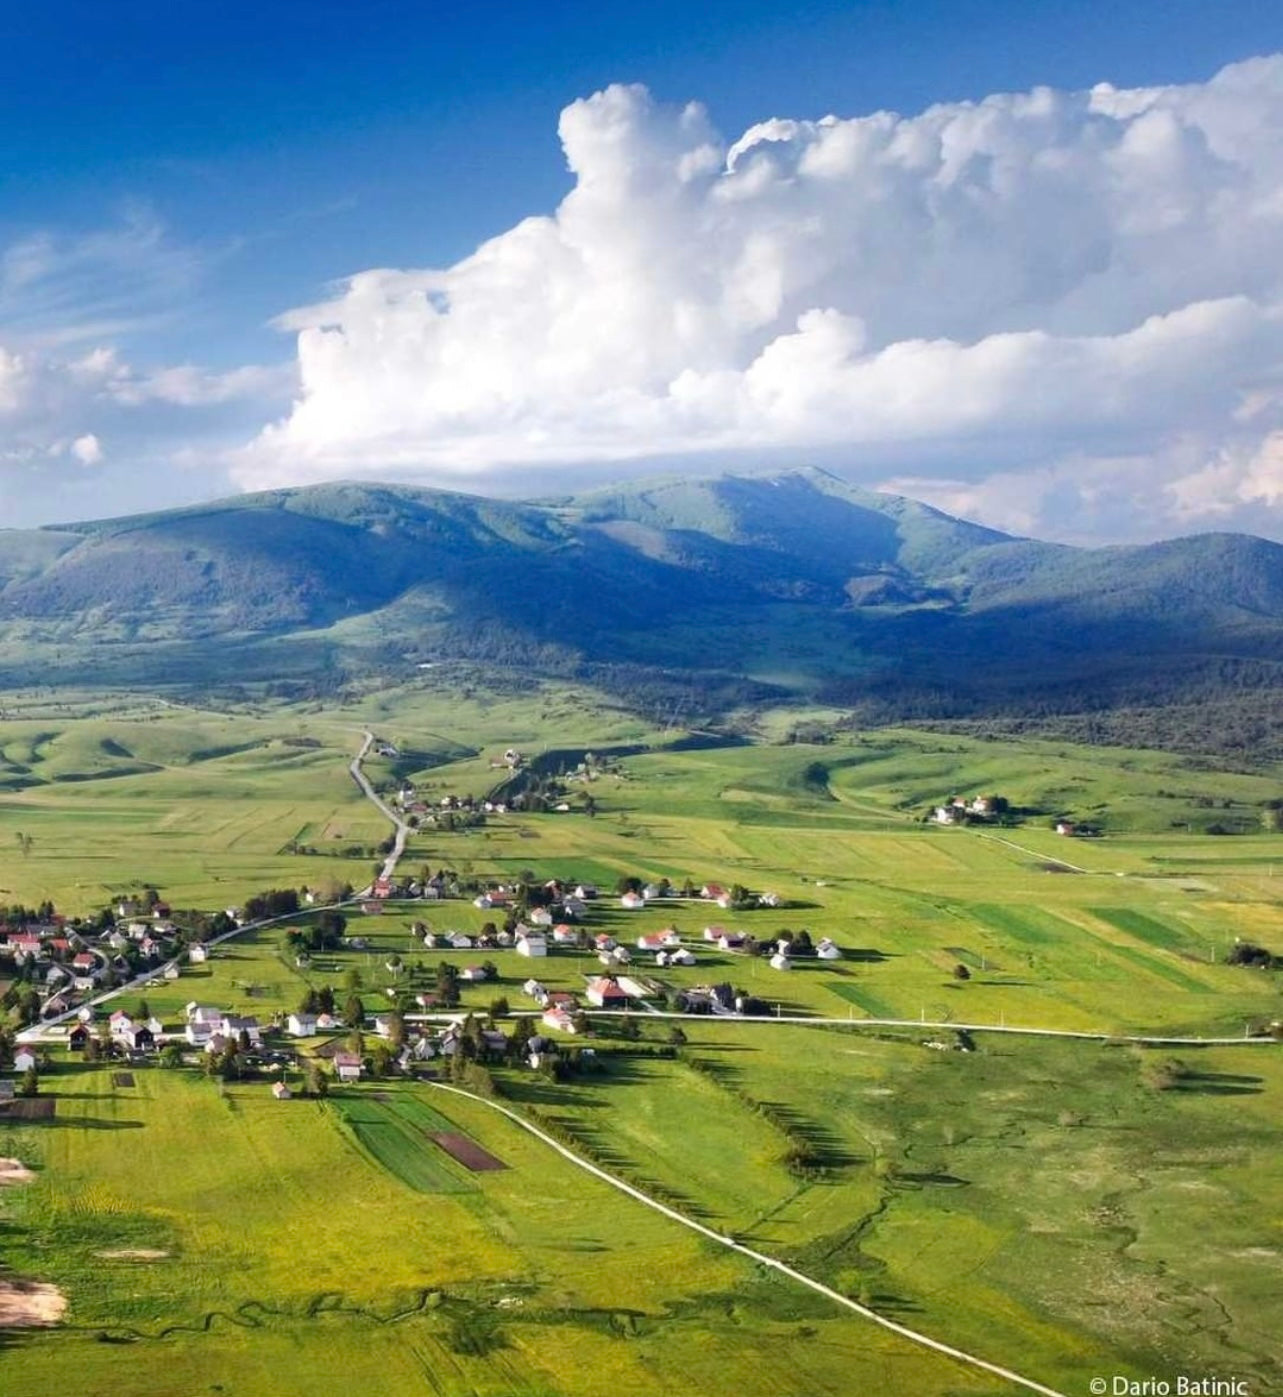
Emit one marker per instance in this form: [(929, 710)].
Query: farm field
[(292, 1233), (1060, 1207), (281, 1243), (1034, 1199)]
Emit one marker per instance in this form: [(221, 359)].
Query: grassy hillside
[(706, 593)]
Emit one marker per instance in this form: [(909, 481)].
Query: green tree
[(447, 985), (171, 1055), (30, 1084)]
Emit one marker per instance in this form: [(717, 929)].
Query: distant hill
[(728, 590)]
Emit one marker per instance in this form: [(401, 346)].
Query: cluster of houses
[(410, 802), (70, 963), (958, 810), (636, 900), (560, 1007), (711, 999), (782, 957), (215, 1029)]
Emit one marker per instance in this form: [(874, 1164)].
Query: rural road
[(384, 809), (760, 1257)]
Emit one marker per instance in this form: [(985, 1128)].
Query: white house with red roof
[(606, 993)]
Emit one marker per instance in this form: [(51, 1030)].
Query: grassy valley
[(1063, 1207)]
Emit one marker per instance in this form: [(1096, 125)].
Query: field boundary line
[(945, 1025), (1152, 1040), (761, 1258), (1033, 853)]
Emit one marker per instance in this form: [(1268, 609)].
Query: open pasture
[(270, 1240), (998, 1195)]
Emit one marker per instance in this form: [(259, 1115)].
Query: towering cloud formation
[(1048, 296)]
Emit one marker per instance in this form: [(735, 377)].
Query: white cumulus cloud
[(1028, 289), (87, 449)]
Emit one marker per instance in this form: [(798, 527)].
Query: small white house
[(632, 902), (198, 955), (348, 1067), (532, 945), (23, 1060), (779, 961), (560, 1019), (459, 942), (233, 1025), (826, 950)]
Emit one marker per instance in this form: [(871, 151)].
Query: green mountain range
[(729, 590)]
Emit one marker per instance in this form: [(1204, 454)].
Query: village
[(72, 980)]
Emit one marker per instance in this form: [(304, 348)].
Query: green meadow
[(1054, 1206)]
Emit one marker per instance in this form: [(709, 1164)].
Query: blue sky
[(177, 176)]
